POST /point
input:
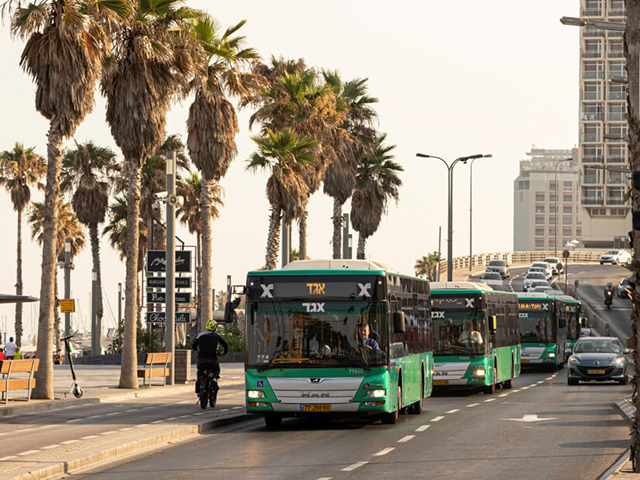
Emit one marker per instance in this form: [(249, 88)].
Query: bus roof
[(534, 295), (467, 286), (327, 267), (568, 299)]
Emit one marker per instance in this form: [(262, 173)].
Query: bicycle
[(208, 393)]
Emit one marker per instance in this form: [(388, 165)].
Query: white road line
[(10, 457), (88, 437), (225, 409), (125, 429), (549, 378), (326, 478), (167, 405), (472, 405), (51, 447), (183, 416), (112, 413), (93, 416), (524, 388), (131, 410), (384, 451), (541, 381), (142, 425), (32, 428), (69, 442), (201, 413), (516, 391), (236, 408), (157, 421), (110, 432), (503, 394), (28, 452), (422, 428), (406, 439), (73, 421), (185, 401), (454, 410), (490, 400), (437, 419), (351, 468), (534, 384), (171, 419)]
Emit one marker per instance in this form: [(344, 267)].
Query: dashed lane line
[(437, 419), (490, 400), (89, 437), (352, 467), (422, 428), (472, 405), (69, 442), (406, 439), (541, 381), (384, 451), (454, 410), (74, 420), (110, 432), (28, 452), (10, 457), (503, 394), (51, 447)]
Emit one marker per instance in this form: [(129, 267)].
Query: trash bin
[(183, 366)]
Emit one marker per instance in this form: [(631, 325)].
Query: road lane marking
[(28, 452), (503, 394), (534, 384), (73, 421), (437, 419), (352, 467), (50, 447), (157, 421), (33, 428), (110, 432), (472, 405), (69, 442), (326, 478), (88, 437), (112, 413), (171, 419), (384, 451), (525, 388), (10, 457), (549, 378), (236, 408), (422, 428), (142, 425), (454, 410), (93, 416), (125, 429), (406, 439), (131, 410), (490, 400), (201, 413), (541, 381)]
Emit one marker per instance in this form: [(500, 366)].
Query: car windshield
[(497, 263), (491, 276), (540, 284), (540, 265), (598, 345), (611, 252), (624, 282), (536, 276), (551, 260)]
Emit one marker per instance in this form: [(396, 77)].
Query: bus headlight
[(376, 393), (255, 394), (480, 372), (551, 354)]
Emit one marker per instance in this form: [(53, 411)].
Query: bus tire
[(509, 383), (272, 420), (417, 407), (489, 389), (391, 418)]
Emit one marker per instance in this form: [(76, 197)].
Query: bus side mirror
[(230, 310), (398, 322), (493, 325)]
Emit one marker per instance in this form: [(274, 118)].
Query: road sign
[(566, 253), (161, 317), (159, 282), (67, 305), (160, 297)]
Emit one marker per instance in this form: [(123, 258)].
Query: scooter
[(608, 298), (75, 388)]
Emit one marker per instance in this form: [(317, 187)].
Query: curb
[(123, 452), (626, 409), (49, 405)]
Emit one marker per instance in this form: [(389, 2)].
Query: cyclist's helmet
[(211, 325)]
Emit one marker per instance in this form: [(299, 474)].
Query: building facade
[(545, 201), (603, 159)]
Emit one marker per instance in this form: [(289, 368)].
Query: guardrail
[(482, 259)]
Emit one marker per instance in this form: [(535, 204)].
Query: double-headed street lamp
[(471, 208), (555, 182), (450, 168)]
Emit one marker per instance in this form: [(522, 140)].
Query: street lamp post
[(450, 168), (471, 209), (555, 181)]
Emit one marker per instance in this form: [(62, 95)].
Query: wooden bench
[(155, 365), (8, 382)]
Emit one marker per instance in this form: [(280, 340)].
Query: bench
[(155, 365), (8, 382)]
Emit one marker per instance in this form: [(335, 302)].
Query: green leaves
[(282, 150)]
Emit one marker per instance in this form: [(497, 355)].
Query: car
[(624, 288), (500, 266), (540, 270), (598, 359), (614, 257), (548, 268), (492, 279), (533, 277), (541, 289), (555, 263)]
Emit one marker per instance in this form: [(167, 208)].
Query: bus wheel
[(416, 408), (272, 420), (391, 418), (489, 389), (509, 383)]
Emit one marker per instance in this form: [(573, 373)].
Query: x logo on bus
[(364, 290), (470, 302), (267, 291)]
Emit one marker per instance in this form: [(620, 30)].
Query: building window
[(592, 175), (617, 112), (592, 112), (618, 212), (552, 220), (618, 132), (523, 185), (567, 221), (539, 232), (597, 212), (567, 186), (615, 195), (617, 91), (566, 232), (616, 153), (592, 154), (616, 69), (553, 186), (539, 208), (617, 8), (591, 132), (540, 220), (539, 243), (553, 197), (593, 196), (552, 209), (567, 209), (593, 70), (579, 232), (567, 198)]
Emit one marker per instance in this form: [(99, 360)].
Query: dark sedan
[(597, 358), (624, 288)]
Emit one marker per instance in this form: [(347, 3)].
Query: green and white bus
[(543, 332), (346, 337), (571, 309), (476, 336)]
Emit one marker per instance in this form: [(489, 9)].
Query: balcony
[(615, 33), (592, 201), (588, 137), (592, 117), (617, 95), (617, 180), (593, 12), (615, 54), (592, 32), (592, 159), (617, 12), (591, 75), (591, 54), (618, 74), (616, 117), (614, 201), (616, 160), (591, 180), (591, 96)]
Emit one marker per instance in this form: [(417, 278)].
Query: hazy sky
[(454, 78)]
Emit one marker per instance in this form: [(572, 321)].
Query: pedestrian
[(1, 353), (10, 349), (18, 354)]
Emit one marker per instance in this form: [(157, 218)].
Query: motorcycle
[(608, 298), (208, 391)]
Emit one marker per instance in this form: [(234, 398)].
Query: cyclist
[(206, 344)]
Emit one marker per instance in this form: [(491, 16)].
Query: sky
[(452, 78)]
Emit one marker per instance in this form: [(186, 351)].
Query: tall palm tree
[(427, 266), (20, 169), (221, 73), (150, 61), (67, 226), (340, 178), (283, 153), (190, 214), (87, 173), (377, 182), (63, 54)]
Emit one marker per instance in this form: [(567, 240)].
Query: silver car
[(500, 266)]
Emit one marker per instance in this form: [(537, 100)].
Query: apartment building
[(603, 159), (545, 200)]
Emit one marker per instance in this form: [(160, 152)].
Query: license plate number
[(594, 371), (441, 382), (316, 407), (525, 361)]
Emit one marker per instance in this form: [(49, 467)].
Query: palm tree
[(282, 153), (67, 226), (427, 266), (87, 172), (150, 61), (377, 182), (340, 178), (63, 54), (190, 214), (212, 124), (20, 168)]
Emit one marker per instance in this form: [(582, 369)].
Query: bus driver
[(363, 337), (469, 335)]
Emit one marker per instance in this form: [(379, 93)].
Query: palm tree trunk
[(273, 239), (129, 366), (56, 314), (95, 257), (302, 223), (205, 209), (362, 240), (44, 375), (632, 50), (337, 226), (198, 275), (19, 285)]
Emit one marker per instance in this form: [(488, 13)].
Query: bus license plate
[(594, 371), (441, 382), (525, 361), (316, 407)]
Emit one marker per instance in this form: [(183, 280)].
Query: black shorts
[(208, 364)]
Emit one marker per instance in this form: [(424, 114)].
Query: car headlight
[(376, 393), (255, 394), (574, 361), (618, 361)]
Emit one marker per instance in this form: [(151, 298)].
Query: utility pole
[(170, 255), (286, 242), (347, 251), (96, 348), (67, 283), (120, 313), (439, 247)]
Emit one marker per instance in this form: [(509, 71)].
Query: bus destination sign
[(453, 303), (534, 306)]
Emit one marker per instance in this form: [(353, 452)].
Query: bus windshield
[(329, 334), (459, 328), (537, 327)]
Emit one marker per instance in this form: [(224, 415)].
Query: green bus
[(476, 336), (571, 310), (543, 333), (340, 337)]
